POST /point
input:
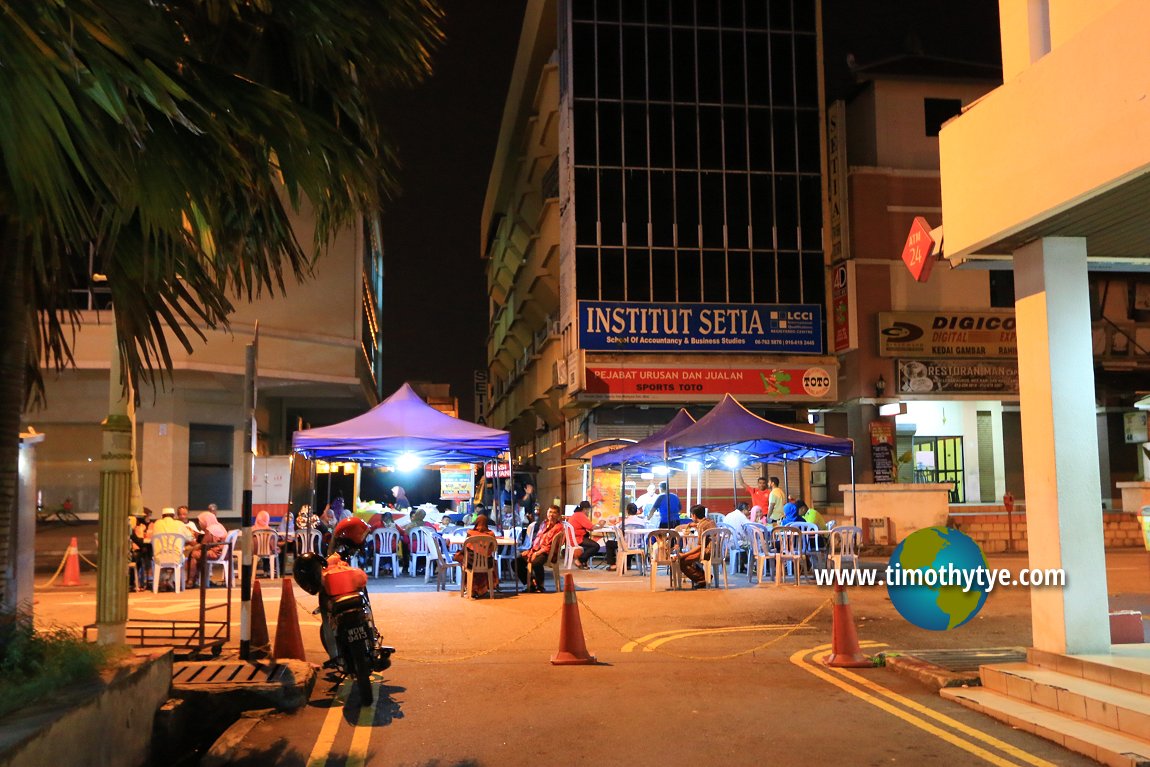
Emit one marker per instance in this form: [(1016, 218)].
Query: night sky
[(435, 300)]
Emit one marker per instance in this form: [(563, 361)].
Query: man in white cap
[(169, 524), (647, 500)]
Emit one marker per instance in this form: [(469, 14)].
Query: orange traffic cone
[(289, 640), (845, 650), (72, 565), (261, 644), (572, 646)]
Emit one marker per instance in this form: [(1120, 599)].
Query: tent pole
[(688, 485), (734, 490), (854, 494)]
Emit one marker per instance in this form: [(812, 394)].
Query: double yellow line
[(360, 736), (651, 642), (963, 735)]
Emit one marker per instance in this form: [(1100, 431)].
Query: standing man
[(667, 506), (760, 495), (775, 501), (527, 503)]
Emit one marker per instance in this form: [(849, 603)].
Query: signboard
[(882, 451), (499, 469), (1135, 427), (479, 389), (843, 324), (675, 384), (918, 253), (271, 485), (837, 202), (947, 334), (929, 376), (456, 481), (654, 327)]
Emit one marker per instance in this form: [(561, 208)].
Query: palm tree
[(167, 142)]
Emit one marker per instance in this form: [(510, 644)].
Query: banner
[(947, 334), (653, 327), (675, 384), (957, 377), (456, 481), (882, 452)]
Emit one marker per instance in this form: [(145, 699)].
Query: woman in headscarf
[(401, 501), (212, 532), (263, 521), (479, 585)]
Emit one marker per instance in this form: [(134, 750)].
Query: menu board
[(456, 482), (882, 452)]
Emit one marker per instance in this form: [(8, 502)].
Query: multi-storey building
[(318, 362), (653, 223)]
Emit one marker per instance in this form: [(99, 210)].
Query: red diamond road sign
[(918, 253)]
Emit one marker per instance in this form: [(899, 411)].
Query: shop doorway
[(939, 459)]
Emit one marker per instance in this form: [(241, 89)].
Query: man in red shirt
[(760, 496), (540, 550), (581, 521)]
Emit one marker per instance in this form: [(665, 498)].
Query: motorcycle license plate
[(357, 634)]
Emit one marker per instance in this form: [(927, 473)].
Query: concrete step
[(1100, 743), (1096, 702), (1125, 666)]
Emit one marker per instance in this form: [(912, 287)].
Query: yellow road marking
[(326, 738), (675, 633), (798, 659), (361, 736), (952, 723), (652, 646)]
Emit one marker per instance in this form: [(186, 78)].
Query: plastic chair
[(554, 557), (505, 555), (442, 565), (479, 557), (716, 544), (224, 560), (265, 545), (528, 537), (759, 553), (573, 548), (663, 549), (843, 547), (736, 551), (168, 554), (812, 550), (421, 539), (385, 545), (631, 544), (788, 545), (308, 542), (233, 539)]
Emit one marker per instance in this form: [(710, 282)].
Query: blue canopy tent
[(732, 428)]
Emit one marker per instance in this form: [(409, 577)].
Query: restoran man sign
[(653, 327)]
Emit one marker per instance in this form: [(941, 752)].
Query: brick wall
[(994, 533)]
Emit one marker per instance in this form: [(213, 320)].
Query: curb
[(225, 750), (929, 674)]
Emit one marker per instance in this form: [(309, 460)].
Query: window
[(1002, 288), (209, 465), (938, 111)]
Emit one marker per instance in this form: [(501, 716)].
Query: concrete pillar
[(1060, 445)]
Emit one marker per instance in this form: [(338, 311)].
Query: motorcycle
[(347, 626)]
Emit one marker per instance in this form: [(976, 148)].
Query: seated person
[(790, 514), (737, 518), (812, 516), (479, 586), (634, 519), (263, 521), (536, 557), (213, 532), (581, 521), (689, 560)]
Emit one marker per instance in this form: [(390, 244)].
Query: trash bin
[(1144, 518)]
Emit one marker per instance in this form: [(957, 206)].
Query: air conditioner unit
[(556, 329), (559, 373)]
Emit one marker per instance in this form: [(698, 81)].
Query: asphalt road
[(691, 677)]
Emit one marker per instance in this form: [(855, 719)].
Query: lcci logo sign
[(918, 253)]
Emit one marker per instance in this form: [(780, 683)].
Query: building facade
[(653, 225), (318, 362)]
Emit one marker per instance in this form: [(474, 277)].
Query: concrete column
[(1060, 445), (115, 500)]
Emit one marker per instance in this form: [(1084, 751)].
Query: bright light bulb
[(694, 466), (407, 462), (661, 470), (730, 460)]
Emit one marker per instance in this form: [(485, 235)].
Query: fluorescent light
[(892, 408), (661, 470), (694, 466), (1144, 403), (730, 460), (407, 462)]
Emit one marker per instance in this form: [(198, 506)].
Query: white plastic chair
[(479, 557), (168, 554), (812, 550), (663, 549), (233, 538), (573, 549), (385, 545), (224, 560), (265, 545), (736, 552), (632, 543), (788, 545), (843, 548), (443, 566), (759, 554), (421, 540), (308, 542), (715, 543)]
